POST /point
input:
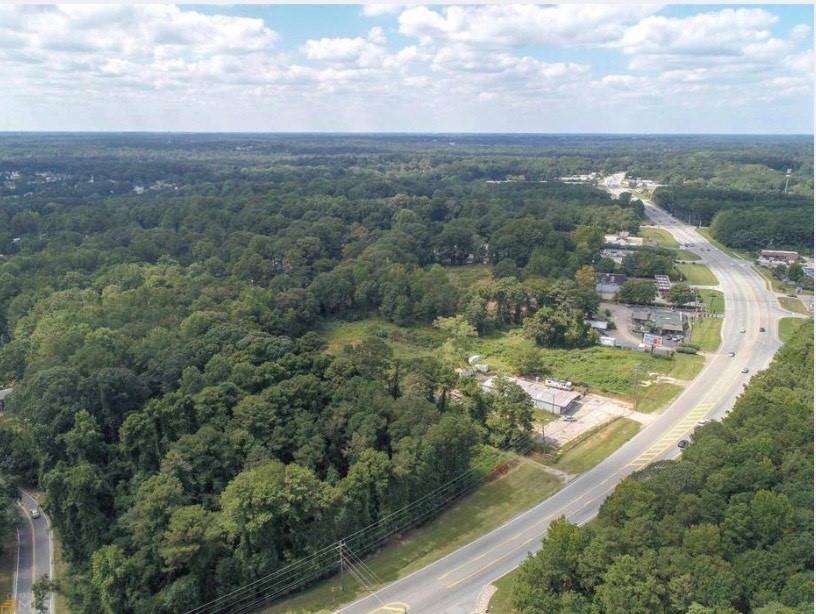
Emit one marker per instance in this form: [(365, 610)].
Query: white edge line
[(16, 569)]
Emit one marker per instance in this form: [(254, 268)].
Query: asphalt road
[(35, 553), (453, 584)]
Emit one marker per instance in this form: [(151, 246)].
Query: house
[(608, 284), (775, 256), (3, 394), (553, 400)]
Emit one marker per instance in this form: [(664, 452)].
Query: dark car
[(762, 329), (683, 443)]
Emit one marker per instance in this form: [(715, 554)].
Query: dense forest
[(162, 306), (727, 528), (749, 220)]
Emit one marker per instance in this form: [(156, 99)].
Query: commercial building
[(554, 400), (774, 256)]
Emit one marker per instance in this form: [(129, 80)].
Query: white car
[(35, 513), (742, 330)]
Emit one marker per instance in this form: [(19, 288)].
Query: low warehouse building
[(554, 400)]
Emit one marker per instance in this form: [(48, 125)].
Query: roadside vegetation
[(515, 489), (584, 452), (684, 254), (714, 300), (697, 274), (657, 396), (728, 527), (663, 238), (705, 333), (789, 328), (793, 304)]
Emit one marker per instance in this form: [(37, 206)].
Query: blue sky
[(501, 68)]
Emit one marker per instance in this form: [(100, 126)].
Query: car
[(762, 329), (745, 370), (742, 330), (35, 513), (683, 443), (570, 418), (731, 354)]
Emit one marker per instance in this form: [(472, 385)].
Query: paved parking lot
[(594, 410)]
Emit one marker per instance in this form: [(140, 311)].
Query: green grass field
[(657, 396), (601, 369), (8, 561), (788, 328), (592, 447), (714, 300), (793, 304), (684, 254), (491, 505), (502, 600), (705, 332), (697, 274), (662, 238)]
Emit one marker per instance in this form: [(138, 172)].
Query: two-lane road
[(35, 553), (452, 584)]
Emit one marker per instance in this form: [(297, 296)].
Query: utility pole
[(340, 546), (787, 178), (636, 385)]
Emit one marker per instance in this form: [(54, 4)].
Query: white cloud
[(380, 9), (516, 25)]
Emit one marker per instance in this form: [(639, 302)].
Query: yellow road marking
[(665, 442), (394, 606)]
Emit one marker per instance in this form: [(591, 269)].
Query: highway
[(453, 584), (35, 553)]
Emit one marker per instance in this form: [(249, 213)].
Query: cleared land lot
[(592, 447), (601, 369), (519, 489), (697, 274), (594, 412)]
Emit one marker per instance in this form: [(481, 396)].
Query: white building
[(544, 397)]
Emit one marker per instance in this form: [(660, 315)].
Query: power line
[(320, 563)]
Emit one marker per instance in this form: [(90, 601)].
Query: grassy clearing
[(658, 396), (491, 505), (469, 276), (592, 447), (714, 300), (405, 342), (697, 274), (686, 366), (705, 332), (684, 254), (601, 369), (736, 253), (788, 328), (502, 600), (8, 562), (662, 238), (793, 304)]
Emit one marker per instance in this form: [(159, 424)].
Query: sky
[(570, 68)]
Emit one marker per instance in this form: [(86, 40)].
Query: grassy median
[(714, 300)]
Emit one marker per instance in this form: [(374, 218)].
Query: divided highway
[(453, 584)]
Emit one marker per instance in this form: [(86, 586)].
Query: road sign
[(652, 340)]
